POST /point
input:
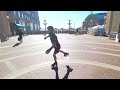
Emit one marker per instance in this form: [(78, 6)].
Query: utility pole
[(45, 25), (69, 25)]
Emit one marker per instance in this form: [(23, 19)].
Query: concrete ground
[(90, 57)]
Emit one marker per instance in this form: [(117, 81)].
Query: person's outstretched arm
[(46, 37)]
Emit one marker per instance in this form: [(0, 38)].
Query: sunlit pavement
[(90, 57)]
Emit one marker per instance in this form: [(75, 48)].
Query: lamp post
[(7, 17), (45, 25), (69, 25), (91, 22)]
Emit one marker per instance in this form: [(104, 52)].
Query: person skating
[(55, 44)]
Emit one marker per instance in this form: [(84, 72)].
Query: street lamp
[(7, 17), (69, 25), (45, 25), (91, 22)]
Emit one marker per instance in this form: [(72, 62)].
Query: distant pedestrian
[(76, 31), (55, 43)]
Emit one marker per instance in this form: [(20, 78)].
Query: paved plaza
[(90, 57)]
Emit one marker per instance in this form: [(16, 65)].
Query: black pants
[(57, 48), (20, 38)]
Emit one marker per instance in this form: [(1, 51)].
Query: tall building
[(4, 26), (10, 21), (28, 20), (113, 22)]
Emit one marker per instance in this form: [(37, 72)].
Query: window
[(25, 16), (14, 13), (22, 16), (38, 27), (32, 15), (31, 26), (18, 14), (35, 26), (15, 22)]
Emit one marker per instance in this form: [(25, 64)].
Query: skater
[(20, 33), (55, 43)]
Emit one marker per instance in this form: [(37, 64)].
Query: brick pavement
[(91, 57)]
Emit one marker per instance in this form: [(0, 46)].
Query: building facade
[(29, 20), (112, 22), (4, 26)]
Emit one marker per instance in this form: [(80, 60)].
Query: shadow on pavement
[(16, 44), (55, 67)]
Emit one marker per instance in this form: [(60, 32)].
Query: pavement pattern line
[(96, 47), (22, 44), (11, 67), (76, 43), (21, 50), (43, 45), (20, 56), (102, 43), (31, 54), (42, 65)]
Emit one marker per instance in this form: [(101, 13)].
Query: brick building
[(28, 20), (4, 26)]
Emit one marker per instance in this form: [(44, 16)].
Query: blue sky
[(59, 19)]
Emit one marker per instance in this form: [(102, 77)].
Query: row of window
[(36, 27), (21, 15)]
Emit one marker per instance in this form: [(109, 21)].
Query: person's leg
[(55, 67), (57, 76), (18, 37), (65, 53), (68, 72), (55, 58), (21, 38)]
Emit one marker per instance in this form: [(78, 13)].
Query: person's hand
[(47, 51), (45, 37)]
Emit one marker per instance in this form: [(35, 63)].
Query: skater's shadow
[(17, 44), (55, 67)]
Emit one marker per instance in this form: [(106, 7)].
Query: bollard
[(3, 37), (117, 39)]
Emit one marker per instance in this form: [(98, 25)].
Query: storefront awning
[(19, 25)]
